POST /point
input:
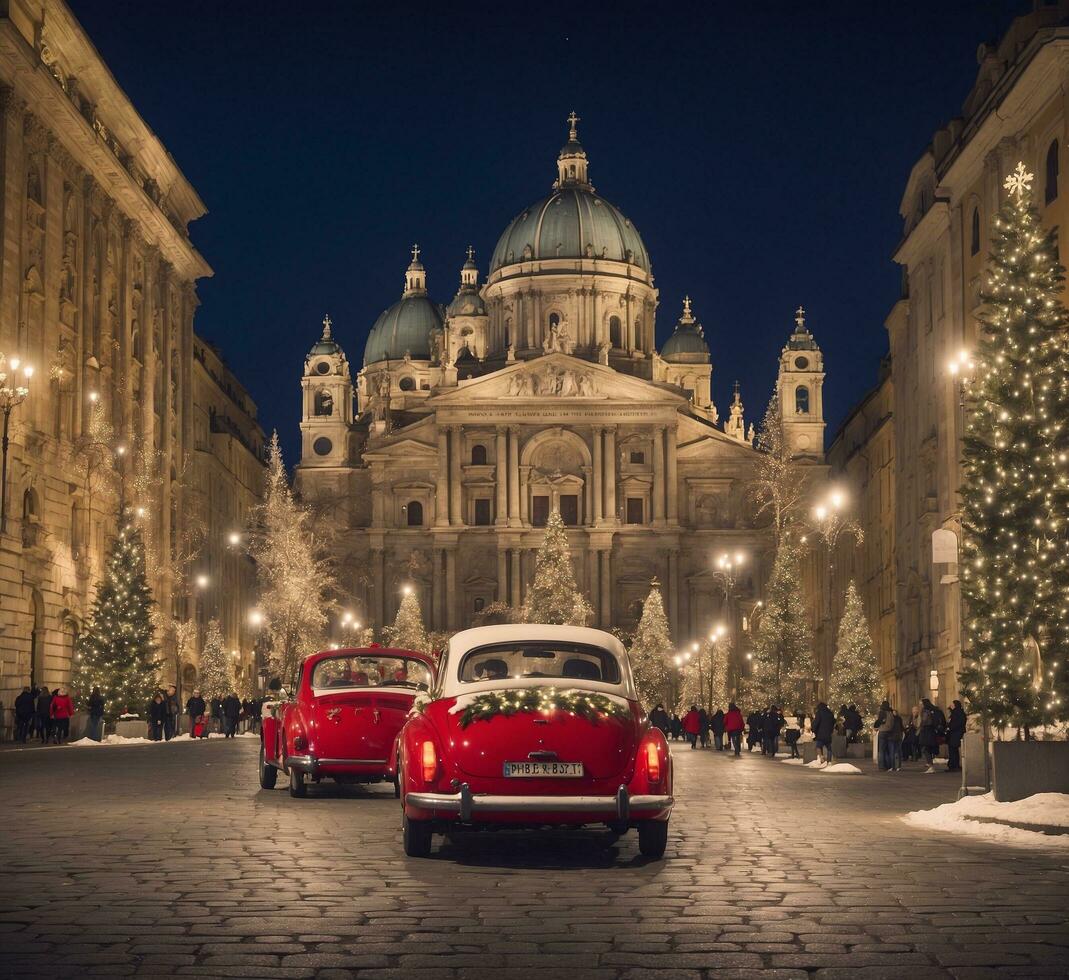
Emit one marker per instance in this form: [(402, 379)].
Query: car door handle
[(542, 755)]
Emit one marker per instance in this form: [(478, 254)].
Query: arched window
[(30, 518), (407, 384), (415, 513), (508, 334), (76, 531), (801, 400), (1050, 191), (478, 455), (324, 402), (554, 320), (615, 337), (974, 245)]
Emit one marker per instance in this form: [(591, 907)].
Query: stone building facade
[(541, 389), (97, 291), (1017, 110)]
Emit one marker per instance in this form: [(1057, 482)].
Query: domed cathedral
[(541, 389)]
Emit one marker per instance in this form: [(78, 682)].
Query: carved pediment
[(408, 450)]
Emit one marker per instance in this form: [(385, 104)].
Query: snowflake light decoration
[(1018, 182)]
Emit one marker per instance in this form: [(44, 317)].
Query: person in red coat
[(733, 725), (692, 725), (62, 710)]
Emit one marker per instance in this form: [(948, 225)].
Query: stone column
[(441, 485), (515, 601), (514, 477), (456, 492), (587, 497), (438, 593), (525, 497), (604, 576), (451, 588), (599, 474), (610, 474), (378, 565), (501, 475), (673, 474), (658, 476), (502, 575), (673, 592)]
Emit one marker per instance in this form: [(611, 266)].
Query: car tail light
[(300, 743), (653, 762), (430, 762)]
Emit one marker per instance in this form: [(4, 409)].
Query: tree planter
[(132, 728), (1022, 769)]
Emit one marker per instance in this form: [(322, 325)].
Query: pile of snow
[(842, 769), (792, 762), (1043, 809), (113, 740)]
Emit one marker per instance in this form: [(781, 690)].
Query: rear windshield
[(372, 672), (514, 661)]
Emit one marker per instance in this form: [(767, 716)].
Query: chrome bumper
[(467, 804), (311, 765)]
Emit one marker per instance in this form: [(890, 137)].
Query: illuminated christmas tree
[(1015, 478), (553, 596), (650, 652), (784, 671), (215, 676), (855, 675), (407, 632), (117, 652)]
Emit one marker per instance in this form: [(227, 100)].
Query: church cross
[(799, 317), (326, 327), (415, 253), (686, 306), (471, 253), (572, 120)]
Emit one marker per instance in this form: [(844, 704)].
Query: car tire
[(298, 786), (653, 838), (417, 836), (268, 773)]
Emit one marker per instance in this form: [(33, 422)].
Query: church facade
[(538, 389)]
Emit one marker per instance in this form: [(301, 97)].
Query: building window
[(478, 455), (479, 604), (554, 321), (637, 456), (539, 511), (569, 509), (76, 531), (414, 509), (324, 403), (322, 446), (482, 511), (634, 510), (1050, 191), (323, 367), (801, 400), (407, 384), (615, 336), (974, 245)]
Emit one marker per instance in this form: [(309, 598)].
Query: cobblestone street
[(169, 860)]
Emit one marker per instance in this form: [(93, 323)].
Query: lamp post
[(13, 392), (728, 567)]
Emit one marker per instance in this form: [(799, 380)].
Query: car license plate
[(544, 769)]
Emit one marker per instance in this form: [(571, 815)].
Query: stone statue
[(603, 352)]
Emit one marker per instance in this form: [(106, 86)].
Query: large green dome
[(572, 223), (404, 327)]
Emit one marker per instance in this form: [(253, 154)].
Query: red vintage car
[(533, 726), (342, 719)]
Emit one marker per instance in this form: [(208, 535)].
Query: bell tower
[(327, 411), (801, 392)]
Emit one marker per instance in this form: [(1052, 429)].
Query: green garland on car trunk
[(584, 704)]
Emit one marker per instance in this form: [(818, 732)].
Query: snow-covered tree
[(407, 632), (778, 489), (784, 670), (553, 596), (1015, 478), (704, 678), (855, 675), (650, 652), (117, 650), (296, 581), (215, 677)]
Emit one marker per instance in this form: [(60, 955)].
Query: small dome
[(404, 327), (467, 302), (326, 343), (688, 338), (572, 223)]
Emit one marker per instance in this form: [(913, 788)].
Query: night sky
[(760, 149)]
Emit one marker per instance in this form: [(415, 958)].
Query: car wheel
[(298, 787), (268, 773), (653, 838), (417, 837)]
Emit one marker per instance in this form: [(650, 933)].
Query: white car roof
[(467, 640)]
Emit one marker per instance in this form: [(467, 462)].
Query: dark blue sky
[(760, 149)]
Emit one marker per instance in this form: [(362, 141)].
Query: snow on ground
[(842, 769), (137, 740), (1043, 809), (792, 762)]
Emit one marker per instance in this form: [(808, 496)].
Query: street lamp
[(13, 392)]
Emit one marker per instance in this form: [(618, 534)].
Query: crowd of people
[(46, 714), (919, 737)]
